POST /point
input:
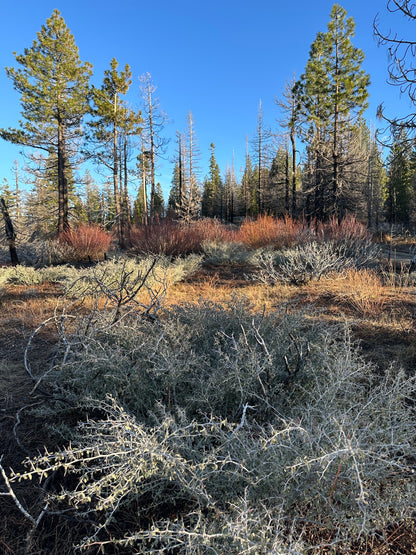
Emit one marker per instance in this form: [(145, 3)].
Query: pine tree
[(333, 94), (211, 203), (278, 183), (175, 192), (158, 202), (398, 186), (112, 120), (248, 190), (54, 88), (261, 147), (140, 207)]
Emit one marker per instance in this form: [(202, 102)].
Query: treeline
[(322, 162)]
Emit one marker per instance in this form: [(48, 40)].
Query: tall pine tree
[(333, 95), (54, 88)]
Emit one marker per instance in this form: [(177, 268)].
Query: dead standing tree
[(10, 233)]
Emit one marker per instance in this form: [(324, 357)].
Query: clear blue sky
[(214, 58)]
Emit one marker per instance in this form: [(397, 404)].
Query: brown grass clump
[(363, 290)]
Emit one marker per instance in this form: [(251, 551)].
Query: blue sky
[(214, 58)]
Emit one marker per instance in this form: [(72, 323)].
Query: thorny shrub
[(300, 264), (226, 430), (226, 252)]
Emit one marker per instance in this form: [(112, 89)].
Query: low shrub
[(300, 264), (22, 275), (230, 431), (268, 231), (86, 242), (173, 238), (226, 252)]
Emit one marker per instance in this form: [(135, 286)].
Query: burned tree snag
[(10, 233)]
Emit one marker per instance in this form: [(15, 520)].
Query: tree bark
[(10, 233), (63, 219)]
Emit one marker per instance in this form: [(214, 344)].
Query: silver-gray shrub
[(311, 260), (226, 252), (253, 423)]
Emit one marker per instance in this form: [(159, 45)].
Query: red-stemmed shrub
[(86, 242), (175, 238), (269, 231)]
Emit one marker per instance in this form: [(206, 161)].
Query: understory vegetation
[(246, 422)]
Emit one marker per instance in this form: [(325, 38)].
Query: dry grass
[(363, 290)]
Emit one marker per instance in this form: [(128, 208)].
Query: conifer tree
[(248, 190), (175, 192), (53, 83), (261, 148), (112, 119), (333, 95), (398, 186), (211, 202)]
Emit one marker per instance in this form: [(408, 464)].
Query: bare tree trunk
[(63, 220), (293, 141), (116, 187)]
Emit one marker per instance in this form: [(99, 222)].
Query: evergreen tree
[(54, 88), (92, 203), (211, 202), (332, 94), (248, 190), (140, 207), (175, 193), (398, 186), (158, 202), (9, 197), (111, 120), (261, 148), (278, 183)]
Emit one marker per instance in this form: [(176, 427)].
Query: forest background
[(232, 81)]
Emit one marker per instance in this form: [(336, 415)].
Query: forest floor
[(383, 321)]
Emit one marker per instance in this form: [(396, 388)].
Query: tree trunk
[(293, 141), (10, 233), (119, 222), (63, 220)]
